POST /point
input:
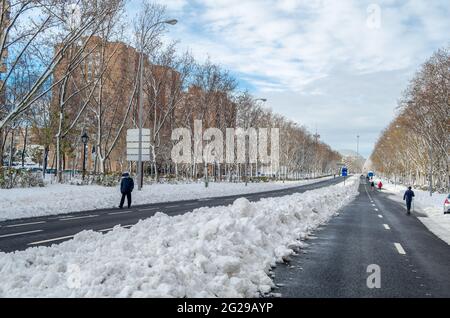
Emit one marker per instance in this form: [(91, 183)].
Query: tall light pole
[(357, 152), (140, 167), (357, 145), (316, 145)]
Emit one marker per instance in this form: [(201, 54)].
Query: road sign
[(135, 132), (344, 172), (135, 151), (133, 135), (133, 145)]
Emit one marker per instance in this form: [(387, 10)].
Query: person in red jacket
[(380, 185)]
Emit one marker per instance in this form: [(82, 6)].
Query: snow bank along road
[(223, 251), (25, 233), (372, 230)]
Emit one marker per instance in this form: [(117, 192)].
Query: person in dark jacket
[(408, 197), (126, 187)]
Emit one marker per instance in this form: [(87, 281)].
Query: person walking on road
[(380, 185), (372, 185), (408, 197), (126, 187)]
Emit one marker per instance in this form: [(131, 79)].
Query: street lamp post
[(84, 139), (141, 102), (357, 145), (357, 152)]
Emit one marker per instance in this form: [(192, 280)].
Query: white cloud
[(306, 48), (296, 42)]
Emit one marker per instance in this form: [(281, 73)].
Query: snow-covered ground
[(61, 199), (210, 252), (432, 207)]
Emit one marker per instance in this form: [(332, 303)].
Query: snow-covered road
[(61, 199), (210, 252)]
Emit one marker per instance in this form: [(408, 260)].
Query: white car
[(447, 205)]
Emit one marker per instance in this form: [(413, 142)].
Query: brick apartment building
[(117, 88)]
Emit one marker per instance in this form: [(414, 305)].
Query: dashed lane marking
[(79, 218), (148, 209), (52, 240), (400, 248), (380, 216), (123, 212), (387, 227), (24, 224), (22, 233)]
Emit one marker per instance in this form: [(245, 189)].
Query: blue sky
[(337, 65)]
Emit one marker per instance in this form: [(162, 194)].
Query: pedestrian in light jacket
[(408, 197), (126, 187)]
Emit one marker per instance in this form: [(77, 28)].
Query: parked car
[(447, 205)]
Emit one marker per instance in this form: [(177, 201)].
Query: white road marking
[(172, 206), (373, 205), (79, 218), (123, 212), (400, 249), (149, 209), (105, 230), (203, 200), (377, 210), (22, 233), (24, 224), (387, 227), (380, 216), (52, 240), (61, 217)]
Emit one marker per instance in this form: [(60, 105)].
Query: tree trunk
[(24, 146)]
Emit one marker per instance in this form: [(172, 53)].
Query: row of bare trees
[(74, 67), (414, 149)]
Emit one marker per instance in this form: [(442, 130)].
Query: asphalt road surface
[(45, 231), (373, 230)]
